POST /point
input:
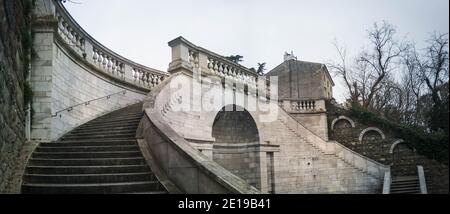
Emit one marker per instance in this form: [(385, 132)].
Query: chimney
[(289, 56)]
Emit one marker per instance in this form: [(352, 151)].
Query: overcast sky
[(259, 30)]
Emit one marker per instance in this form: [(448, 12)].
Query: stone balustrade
[(190, 57), (303, 106), (101, 57)]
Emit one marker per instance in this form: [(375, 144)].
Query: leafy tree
[(261, 68), (235, 58)]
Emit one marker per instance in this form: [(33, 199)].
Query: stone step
[(122, 114), (101, 156), (110, 123), (86, 161), (113, 121), (405, 187), (405, 178), (113, 129), (90, 142), (88, 178), (134, 148), (113, 125), (86, 169), (81, 155), (99, 136), (117, 118), (93, 188), (405, 182), (405, 190)]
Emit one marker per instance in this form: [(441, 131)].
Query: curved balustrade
[(101, 57), (194, 58)]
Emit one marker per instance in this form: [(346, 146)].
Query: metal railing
[(85, 103)]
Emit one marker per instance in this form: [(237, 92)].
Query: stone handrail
[(422, 181), (189, 169), (334, 148), (387, 182), (190, 57), (101, 57)]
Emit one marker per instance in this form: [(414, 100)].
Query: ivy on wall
[(431, 145)]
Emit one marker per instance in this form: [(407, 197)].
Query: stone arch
[(363, 132), (394, 144), (403, 158), (352, 123), (236, 137), (238, 123)]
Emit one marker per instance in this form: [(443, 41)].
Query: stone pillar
[(180, 56), (42, 69)]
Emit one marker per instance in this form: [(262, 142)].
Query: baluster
[(154, 80), (114, 67), (216, 67), (94, 55), (105, 60), (109, 63), (66, 31), (60, 25), (82, 45), (100, 58), (133, 73), (122, 69), (220, 67), (75, 40), (209, 64)]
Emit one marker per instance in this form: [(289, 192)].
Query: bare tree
[(413, 87), (345, 71), (434, 66), (380, 58)]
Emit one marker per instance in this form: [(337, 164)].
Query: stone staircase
[(335, 174), (405, 185), (101, 156)]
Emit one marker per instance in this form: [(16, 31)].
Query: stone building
[(301, 80), (303, 88)]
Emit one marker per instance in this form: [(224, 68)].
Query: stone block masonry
[(12, 114)]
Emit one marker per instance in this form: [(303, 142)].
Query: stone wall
[(12, 79), (316, 122), (385, 149)]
